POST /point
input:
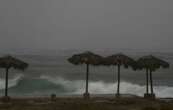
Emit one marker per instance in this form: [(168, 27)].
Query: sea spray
[(44, 85), (71, 86), (96, 87), (100, 87), (36, 87), (12, 82)]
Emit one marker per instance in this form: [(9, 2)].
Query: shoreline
[(79, 103)]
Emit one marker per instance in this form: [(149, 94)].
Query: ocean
[(52, 74)]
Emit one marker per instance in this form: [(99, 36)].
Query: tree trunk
[(87, 77), (118, 85), (151, 82), (6, 83), (147, 81)]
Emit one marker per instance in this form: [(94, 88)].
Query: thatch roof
[(86, 58), (11, 62), (152, 63), (120, 59)]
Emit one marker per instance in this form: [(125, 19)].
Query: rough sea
[(53, 74)]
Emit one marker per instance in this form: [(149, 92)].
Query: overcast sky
[(68, 24)]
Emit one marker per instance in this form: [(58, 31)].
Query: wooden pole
[(118, 85), (6, 83), (147, 81), (87, 78)]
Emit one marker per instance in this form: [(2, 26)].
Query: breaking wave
[(46, 85), (100, 87), (11, 82)]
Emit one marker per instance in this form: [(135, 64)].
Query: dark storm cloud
[(56, 24)]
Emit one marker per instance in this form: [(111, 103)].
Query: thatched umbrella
[(8, 62), (151, 64), (119, 60), (87, 58)]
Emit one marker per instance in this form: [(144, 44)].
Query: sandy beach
[(94, 103)]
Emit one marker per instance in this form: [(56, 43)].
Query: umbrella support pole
[(151, 95), (151, 82), (6, 98), (147, 82), (118, 83), (86, 94), (6, 83)]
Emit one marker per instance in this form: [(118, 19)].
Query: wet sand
[(94, 103)]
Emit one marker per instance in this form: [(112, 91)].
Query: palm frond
[(120, 59), (11, 62), (86, 58), (152, 63)]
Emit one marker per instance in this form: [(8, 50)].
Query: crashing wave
[(12, 82), (100, 87), (45, 85)]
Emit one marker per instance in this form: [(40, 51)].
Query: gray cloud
[(56, 24)]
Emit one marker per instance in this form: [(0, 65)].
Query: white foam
[(100, 87), (12, 82), (70, 85)]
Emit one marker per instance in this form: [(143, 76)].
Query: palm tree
[(87, 58), (151, 64), (9, 62), (119, 60)]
